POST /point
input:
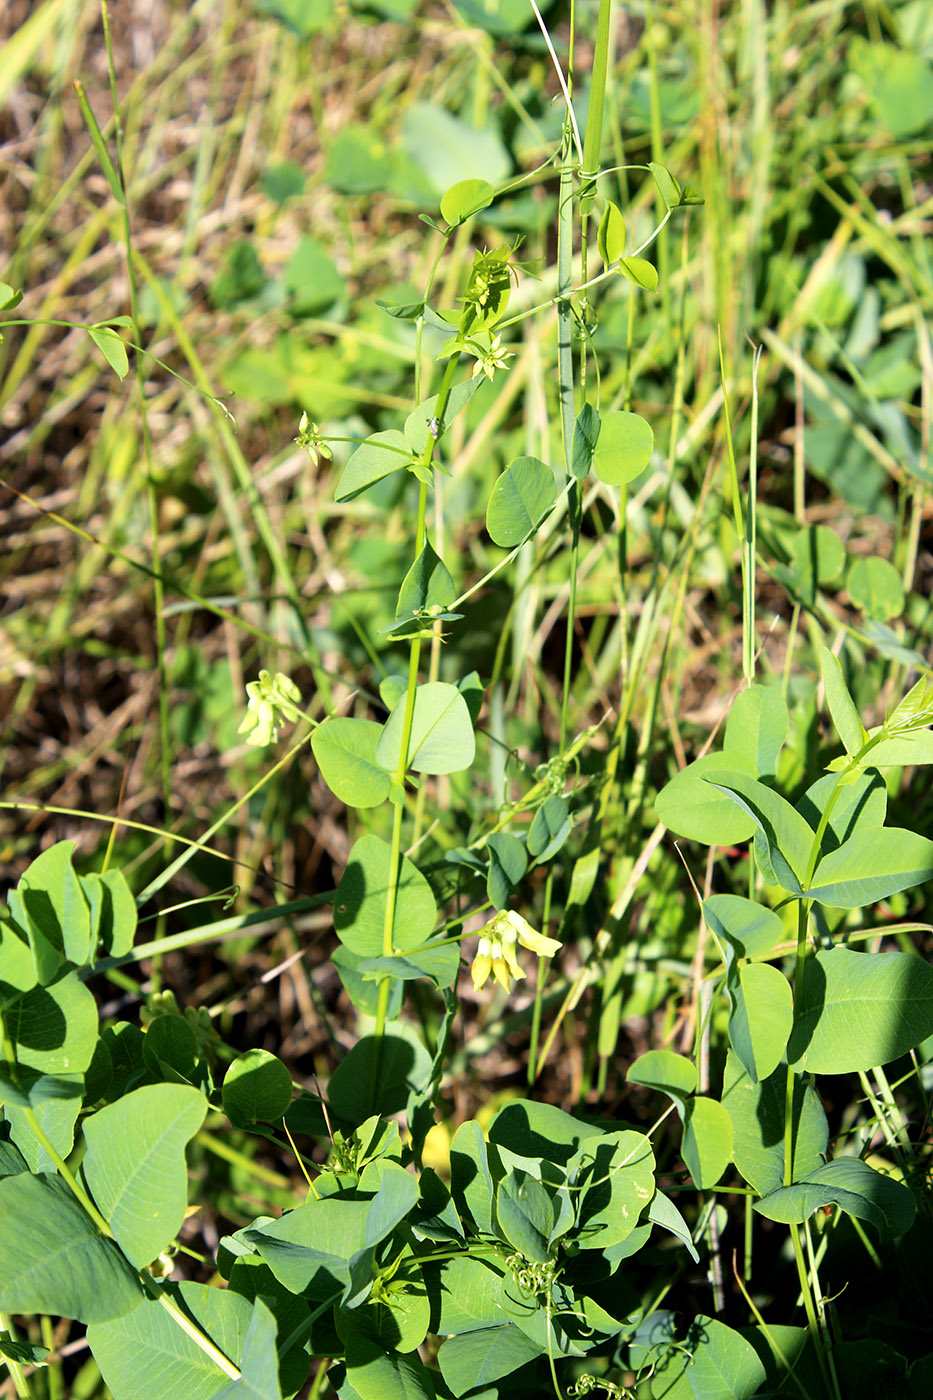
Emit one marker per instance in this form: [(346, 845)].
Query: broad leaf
[(549, 830), (617, 1171), (479, 1358), (757, 1114), (858, 1010), (610, 236), (53, 1029), (112, 911), (376, 1374), (520, 499), (259, 1363), (707, 1141), (756, 728), (872, 865), (855, 1187), (135, 1165), (345, 750), (525, 1212), (379, 456), (668, 187), (56, 1118), (418, 423), (722, 1365), (762, 1017), (641, 272), (441, 740), (379, 1076), (54, 1259), (471, 1182), (664, 1213), (625, 444), (470, 1293), (440, 963), (861, 805), (147, 1353), (111, 347), (672, 1074), (508, 862), (54, 904), (361, 899), (875, 588), (751, 929), (784, 841), (427, 584), (257, 1089), (692, 806), (464, 199), (585, 438)]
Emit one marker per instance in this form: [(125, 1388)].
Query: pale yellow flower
[(272, 701), (495, 951)]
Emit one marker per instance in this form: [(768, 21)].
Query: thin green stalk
[(165, 755), (20, 1383), (813, 1325)]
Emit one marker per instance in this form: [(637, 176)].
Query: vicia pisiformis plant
[(517, 1266)]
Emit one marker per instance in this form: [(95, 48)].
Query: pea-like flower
[(272, 702), (490, 354), (495, 951)]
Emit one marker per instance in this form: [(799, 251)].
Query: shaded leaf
[(257, 1089), (858, 1010), (54, 1260), (855, 1187), (362, 894), (146, 1353)]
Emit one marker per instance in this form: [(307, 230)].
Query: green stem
[(67, 1175), (813, 1326), (20, 1383), (165, 757)]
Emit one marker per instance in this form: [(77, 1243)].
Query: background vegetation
[(277, 157)]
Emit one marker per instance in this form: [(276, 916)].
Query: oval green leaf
[(520, 499), (859, 1010), (855, 1187), (441, 740), (135, 1165), (257, 1089), (872, 865), (876, 589), (762, 1018), (465, 198), (360, 901), (54, 1259), (640, 271), (624, 447), (345, 750), (379, 456), (111, 347), (707, 1141), (610, 236), (666, 1071)]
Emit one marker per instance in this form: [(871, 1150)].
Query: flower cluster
[(273, 701), (310, 438), (495, 952)]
